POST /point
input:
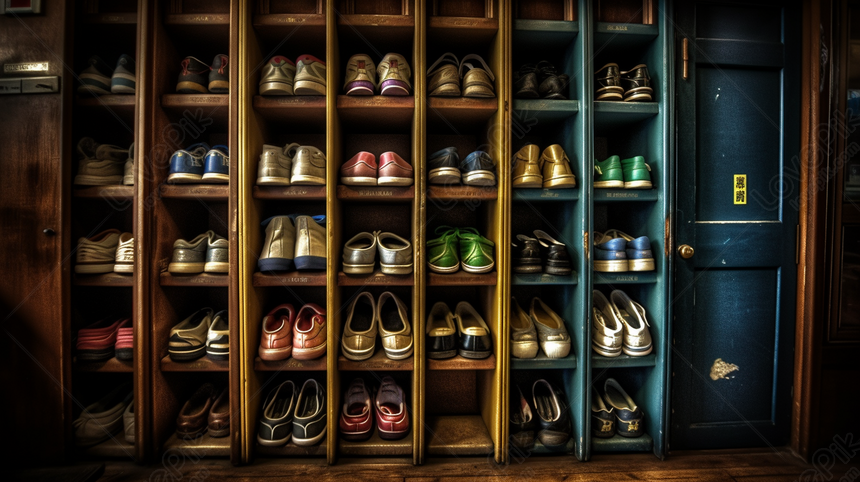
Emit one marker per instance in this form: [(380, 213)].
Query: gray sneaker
[(395, 254), (310, 76), (278, 76), (189, 257), (276, 165), (308, 167), (217, 255)]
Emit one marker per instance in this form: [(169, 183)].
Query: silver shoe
[(310, 243), (308, 167), (276, 165), (552, 333), (395, 254), (606, 327), (217, 255), (637, 337), (359, 332), (279, 248), (524, 339), (359, 253), (394, 327)]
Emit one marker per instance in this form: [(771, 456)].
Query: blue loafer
[(217, 165), (442, 167), (186, 165), (478, 169), (610, 255)]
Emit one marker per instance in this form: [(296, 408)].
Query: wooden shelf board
[(468, 30), (197, 19), (376, 446), (460, 112), (623, 444), (541, 362), (202, 364), (378, 362), (122, 104), (207, 192), (376, 112), (527, 279), (460, 363), (290, 364), (114, 192), (617, 195), (293, 450), (626, 277), (598, 361), (304, 193), (461, 278), (204, 446), (462, 193), (305, 110), (376, 194), (185, 101), (538, 195), (201, 279), (458, 435), (292, 278), (375, 279), (114, 447), (112, 365), (104, 279), (116, 18)]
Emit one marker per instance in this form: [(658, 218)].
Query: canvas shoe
[(187, 165), (443, 254), (97, 254), (194, 77), (128, 171), (310, 243), (99, 164), (279, 247), (477, 77), (478, 169), (188, 337), (309, 166), (358, 341), (96, 77), (360, 76), (394, 327), (608, 173), (443, 167), (637, 173), (276, 165), (476, 251), (125, 254), (218, 337), (217, 255), (217, 165), (123, 79), (394, 75), (637, 337), (219, 75), (278, 76), (443, 77), (310, 76), (189, 257)]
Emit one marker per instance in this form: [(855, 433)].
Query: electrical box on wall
[(20, 6)]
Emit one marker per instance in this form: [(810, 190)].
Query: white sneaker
[(100, 164), (128, 176), (125, 254), (98, 253)]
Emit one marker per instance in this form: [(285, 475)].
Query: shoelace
[(186, 62), (224, 62)]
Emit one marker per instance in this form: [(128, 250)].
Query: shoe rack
[(182, 211), (555, 31), (109, 119)]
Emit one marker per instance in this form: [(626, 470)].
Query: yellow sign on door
[(740, 188)]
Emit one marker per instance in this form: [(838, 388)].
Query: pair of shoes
[(387, 405), (285, 333), (474, 342), (393, 74), (619, 324), (395, 253), (291, 165), (103, 164), (549, 171), (104, 418), (389, 316), (541, 80), (203, 332), (208, 253), (362, 170), (541, 326), (618, 413), (614, 172), (198, 78), (293, 242), (290, 414), (528, 257), (105, 252), (198, 163), (633, 85), (477, 169), (616, 251), (545, 417), (100, 341), (460, 246), (283, 77), (206, 410), (444, 77), (99, 79)]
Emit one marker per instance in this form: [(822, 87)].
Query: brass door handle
[(686, 251)]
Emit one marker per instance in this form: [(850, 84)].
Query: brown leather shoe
[(192, 420), (309, 333), (219, 416), (276, 342), (394, 171)]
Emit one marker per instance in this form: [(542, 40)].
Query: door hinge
[(797, 245), (667, 236), (685, 54), (585, 244)]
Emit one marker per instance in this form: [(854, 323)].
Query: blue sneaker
[(123, 79), (96, 78), (478, 169), (610, 255), (636, 250), (217, 165), (186, 165)]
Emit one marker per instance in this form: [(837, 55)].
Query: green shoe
[(476, 251), (608, 174), (442, 251), (637, 174)]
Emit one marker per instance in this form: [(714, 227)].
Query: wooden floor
[(747, 465)]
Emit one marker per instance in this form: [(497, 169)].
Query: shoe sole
[(311, 263), (274, 443), (121, 89), (556, 271), (96, 355), (528, 182), (360, 87), (637, 351), (123, 268), (219, 433), (217, 354), (273, 181), (186, 355), (216, 178), (308, 87), (478, 269), (386, 435), (125, 354), (302, 442), (396, 269), (303, 180), (219, 87), (640, 264), (474, 355), (94, 268), (128, 180), (394, 87), (611, 266), (275, 354), (440, 355), (358, 181), (395, 181), (396, 355), (439, 269), (309, 353), (216, 267), (479, 178), (276, 88), (186, 87), (567, 182), (184, 178), (356, 355), (604, 351), (444, 176), (186, 268), (357, 436), (609, 185), (638, 185), (276, 264), (97, 180), (358, 268)]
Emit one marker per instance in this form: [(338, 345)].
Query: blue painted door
[(736, 223)]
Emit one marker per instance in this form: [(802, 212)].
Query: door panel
[(734, 297)]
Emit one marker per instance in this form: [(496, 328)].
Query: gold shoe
[(556, 169), (526, 168), (478, 79), (443, 77)]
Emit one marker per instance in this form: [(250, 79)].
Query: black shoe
[(194, 77), (553, 415), (526, 82), (441, 332), (608, 83), (219, 76), (557, 259), (637, 84), (443, 167), (276, 421), (522, 421), (475, 339), (527, 255), (628, 415), (552, 85), (602, 418)]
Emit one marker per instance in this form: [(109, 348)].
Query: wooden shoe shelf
[(458, 407)]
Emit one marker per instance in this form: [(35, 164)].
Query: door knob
[(686, 251)]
